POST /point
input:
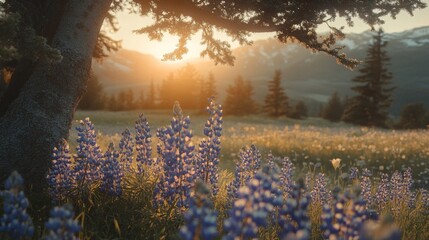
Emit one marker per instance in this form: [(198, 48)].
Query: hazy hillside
[(308, 76)]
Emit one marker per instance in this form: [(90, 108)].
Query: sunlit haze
[(140, 42)]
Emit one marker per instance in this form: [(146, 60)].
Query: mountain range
[(307, 76)]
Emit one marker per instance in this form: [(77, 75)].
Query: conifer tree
[(276, 101), (334, 109), (239, 99), (300, 111), (370, 107), (151, 97), (94, 96)]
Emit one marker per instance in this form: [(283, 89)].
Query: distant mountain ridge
[(306, 76)]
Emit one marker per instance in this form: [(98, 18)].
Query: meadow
[(210, 176), (307, 143)]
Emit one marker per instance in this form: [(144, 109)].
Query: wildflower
[(336, 163), (207, 160), (143, 143), (200, 219), (366, 187), (254, 203), (60, 176), (88, 157), (61, 224), (112, 174), (126, 147), (293, 216), (286, 177), (320, 193), (247, 166), (178, 155), (15, 222)]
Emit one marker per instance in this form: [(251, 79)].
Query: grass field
[(306, 142)]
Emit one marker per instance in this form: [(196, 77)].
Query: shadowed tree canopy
[(37, 107)]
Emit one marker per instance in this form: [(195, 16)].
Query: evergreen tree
[(239, 99), (334, 109), (414, 116), (93, 99), (300, 111), (151, 97), (276, 101), (207, 90), (370, 107)]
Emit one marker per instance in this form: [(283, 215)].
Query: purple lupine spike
[(60, 176), (112, 174), (177, 155), (207, 159), (293, 216), (383, 195), (246, 168), (366, 187), (286, 177), (61, 224), (88, 157), (353, 173), (143, 143), (126, 151), (347, 218), (320, 194), (255, 202), (200, 219), (15, 222)]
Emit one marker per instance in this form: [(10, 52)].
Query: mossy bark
[(43, 112)]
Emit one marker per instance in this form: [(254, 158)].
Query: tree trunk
[(42, 113)]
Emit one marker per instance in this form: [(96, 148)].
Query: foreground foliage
[(182, 194)]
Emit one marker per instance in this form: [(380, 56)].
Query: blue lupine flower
[(15, 222), (61, 224), (270, 161), (200, 219), (293, 217), (353, 173), (126, 148), (383, 195), (177, 155), (143, 143), (89, 156), (320, 193), (247, 166), (60, 176), (207, 160), (401, 189), (255, 202), (346, 220), (286, 177), (112, 174), (366, 187)]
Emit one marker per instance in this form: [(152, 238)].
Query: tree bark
[(43, 112)]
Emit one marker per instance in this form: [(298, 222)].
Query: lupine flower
[(61, 224), (88, 158), (112, 174), (60, 176), (15, 222), (286, 177), (209, 149), (176, 183), (383, 191), (143, 143), (401, 188), (347, 218), (336, 163), (366, 187), (255, 202), (200, 219), (380, 230), (126, 147), (293, 217), (353, 173), (247, 166), (320, 193)]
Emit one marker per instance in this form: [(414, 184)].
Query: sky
[(140, 42)]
